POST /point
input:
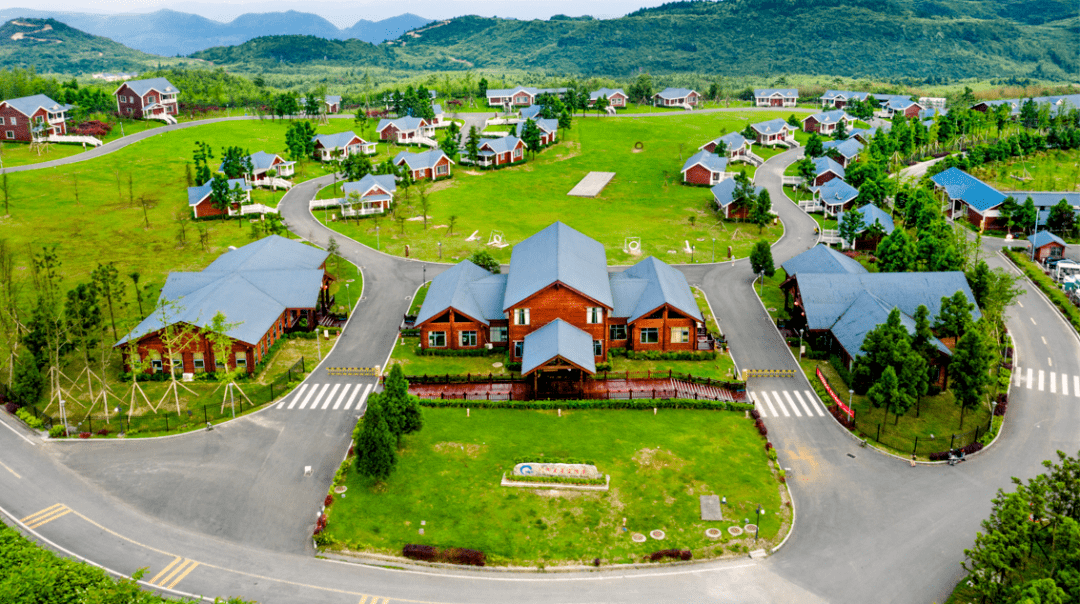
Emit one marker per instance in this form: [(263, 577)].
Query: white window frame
[(241, 360), (594, 315), (13, 121), (598, 345), (10, 134), (434, 336), (499, 334), (198, 362), (443, 169), (521, 316), (467, 338), (2, 121)]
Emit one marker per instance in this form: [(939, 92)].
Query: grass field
[(644, 200), (406, 353), (659, 466), (1053, 170)]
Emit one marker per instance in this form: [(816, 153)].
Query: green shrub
[(470, 352), (410, 333), (29, 419), (671, 355), (641, 404), (56, 431), (772, 454)]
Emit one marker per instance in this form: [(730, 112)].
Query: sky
[(344, 13)]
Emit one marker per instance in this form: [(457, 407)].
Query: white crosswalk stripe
[(295, 397), (798, 404), (780, 403), (342, 397), (792, 403), (768, 402), (332, 396), (1025, 378), (329, 398), (1053, 382)]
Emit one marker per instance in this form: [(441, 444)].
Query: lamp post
[(348, 296), (693, 248), (714, 250), (1033, 234), (376, 237), (850, 397), (801, 333), (425, 274), (440, 250), (757, 523)]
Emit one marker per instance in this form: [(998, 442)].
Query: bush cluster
[(760, 425), (320, 524), (670, 355), (410, 333), (642, 404), (967, 450), (674, 554), (557, 480), (96, 128), (469, 352), (452, 555), (29, 419)]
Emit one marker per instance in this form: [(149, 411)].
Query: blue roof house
[(1048, 246), (968, 194), (776, 97)]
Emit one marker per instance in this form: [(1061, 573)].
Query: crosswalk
[(325, 397), (1047, 381), (784, 403)]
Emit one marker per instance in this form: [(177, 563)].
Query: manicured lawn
[(767, 152), (447, 483), (703, 306), (418, 300), (1053, 170), (771, 294), (407, 353), (267, 197), (720, 368), (645, 199), (20, 154)]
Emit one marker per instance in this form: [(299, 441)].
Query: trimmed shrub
[(472, 352), (671, 355), (84, 435), (11, 407), (643, 404), (557, 480), (461, 555), (29, 419), (328, 501), (426, 553), (754, 413), (56, 431), (674, 554)]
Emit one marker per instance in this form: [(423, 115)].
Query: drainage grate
[(851, 455)]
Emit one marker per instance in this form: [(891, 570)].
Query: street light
[(801, 333), (425, 274), (714, 250), (348, 296), (757, 523), (693, 248), (850, 397), (440, 250)]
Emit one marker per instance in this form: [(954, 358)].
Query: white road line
[(315, 403), (1019, 375), (1050, 361), (780, 403), (1020, 303), (1033, 321), (816, 406), (362, 398), (1053, 383), (342, 397), (794, 407), (1029, 382), (1064, 384), (1076, 385), (1044, 340), (19, 434), (296, 396), (1041, 379), (802, 402), (355, 392), (768, 402), (330, 396)]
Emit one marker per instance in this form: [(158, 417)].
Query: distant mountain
[(53, 47), (269, 52), (171, 33)]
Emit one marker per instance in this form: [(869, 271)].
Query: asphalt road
[(231, 510)]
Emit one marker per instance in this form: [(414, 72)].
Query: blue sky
[(344, 13)]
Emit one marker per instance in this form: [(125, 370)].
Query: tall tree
[(761, 210), (886, 392), (851, 224), (235, 162), (530, 135), (299, 140), (814, 146), (107, 282), (220, 198), (761, 260), (970, 369), (472, 145), (202, 155), (374, 443), (402, 410), (451, 142), (1062, 218), (896, 252), (954, 318)]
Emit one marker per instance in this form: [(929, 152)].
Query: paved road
[(236, 508)]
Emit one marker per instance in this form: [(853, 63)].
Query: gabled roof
[(732, 140), (900, 103), (836, 192), (724, 192), (965, 187), (386, 182), (197, 194), (558, 254), (844, 95), (674, 93), (503, 144), (1045, 238), (871, 214), (421, 161), (141, 87), (825, 164), (868, 133), (708, 160), (251, 286), (29, 105), (822, 259), (1044, 199), (771, 127), (336, 141), (886, 98), (261, 160), (849, 148), (596, 94), (405, 124), (468, 289), (659, 284), (505, 92), (545, 126), (866, 312), (829, 117), (783, 92), (531, 111), (558, 339), (436, 109), (333, 99), (929, 113)]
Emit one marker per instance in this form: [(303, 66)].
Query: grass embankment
[(646, 198), (1050, 170), (447, 483)]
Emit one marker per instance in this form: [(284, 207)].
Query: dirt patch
[(658, 459), (470, 450), (557, 494)]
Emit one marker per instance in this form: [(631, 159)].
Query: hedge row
[(469, 352), (638, 403), (674, 554), (453, 555), (670, 355), (536, 459), (557, 480), (1049, 287)]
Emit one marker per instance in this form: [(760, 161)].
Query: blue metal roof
[(141, 87), (866, 312), (558, 254), (710, 161), (1045, 238), (724, 192), (674, 93), (849, 148), (545, 126), (1044, 199), (198, 194), (827, 164), (251, 286), (531, 111), (871, 214), (844, 95), (787, 92), (261, 160), (337, 140), (503, 144), (29, 105), (822, 259), (771, 127), (468, 289), (420, 161), (900, 103), (386, 182), (558, 339), (836, 192), (662, 285), (960, 185), (405, 124), (596, 94), (830, 117)]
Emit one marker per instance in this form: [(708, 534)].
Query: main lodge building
[(558, 308)]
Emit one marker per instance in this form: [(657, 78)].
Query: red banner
[(836, 399)]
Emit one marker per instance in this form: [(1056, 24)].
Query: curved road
[(229, 512)]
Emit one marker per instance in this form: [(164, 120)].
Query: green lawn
[(659, 466), (646, 198), (20, 154), (721, 368), (1053, 170), (703, 306), (771, 294), (406, 352), (418, 300)]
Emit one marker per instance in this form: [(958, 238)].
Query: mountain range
[(172, 33)]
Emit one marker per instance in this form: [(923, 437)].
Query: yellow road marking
[(49, 519), (181, 576), (364, 599), (47, 510), (10, 470), (164, 570), (174, 572)]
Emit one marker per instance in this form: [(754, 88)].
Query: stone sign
[(568, 470)]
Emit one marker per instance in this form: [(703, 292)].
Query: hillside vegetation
[(935, 41), (49, 46)]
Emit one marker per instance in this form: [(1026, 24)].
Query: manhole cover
[(657, 534), (734, 531), (638, 538), (713, 533), (341, 489)]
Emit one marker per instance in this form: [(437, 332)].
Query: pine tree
[(402, 410), (851, 224), (970, 370), (472, 146), (954, 318), (896, 253), (374, 444), (885, 391), (761, 260)]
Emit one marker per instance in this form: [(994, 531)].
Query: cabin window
[(10, 134), (151, 99), (498, 334), (219, 365), (617, 332), (598, 348), (519, 348), (521, 316), (517, 153), (1, 121), (436, 339), (594, 315), (178, 365), (441, 170), (241, 360), (13, 120), (197, 360), (468, 338), (680, 335), (650, 335), (155, 361)]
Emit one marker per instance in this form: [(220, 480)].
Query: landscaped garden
[(659, 466)]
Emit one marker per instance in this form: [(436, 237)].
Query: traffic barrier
[(355, 371), (768, 373)]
